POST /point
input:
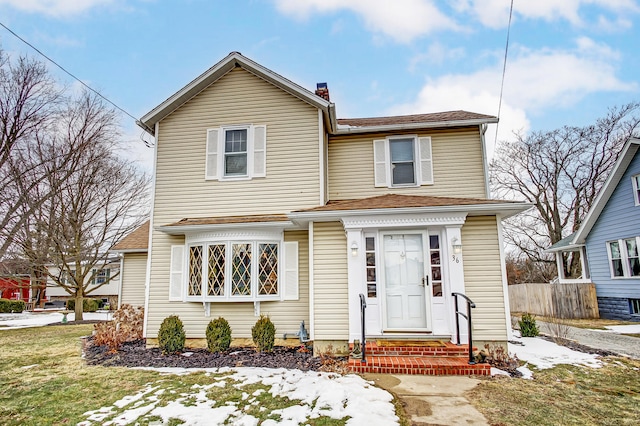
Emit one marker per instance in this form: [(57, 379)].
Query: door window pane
[(370, 254), (436, 267)]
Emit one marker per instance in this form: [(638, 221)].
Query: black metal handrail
[(470, 305), (363, 306)]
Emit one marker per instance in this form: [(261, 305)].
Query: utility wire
[(72, 76), (504, 71)]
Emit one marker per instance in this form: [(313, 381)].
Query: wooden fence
[(555, 300)]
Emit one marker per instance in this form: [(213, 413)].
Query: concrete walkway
[(433, 400), (598, 339)]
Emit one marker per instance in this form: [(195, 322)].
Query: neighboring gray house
[(608, 240)]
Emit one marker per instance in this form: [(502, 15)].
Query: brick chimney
[(322, 90)]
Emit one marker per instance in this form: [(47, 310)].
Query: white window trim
[(418, 159), (228, 297), (220, 153), (624, 258), (634, 183)]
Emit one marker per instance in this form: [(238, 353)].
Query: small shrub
[(263, 334), (17, 306), (171, 335), (218, 335), (528, 327), (5, 306), (498, 357), (88, 304), (126, 326)]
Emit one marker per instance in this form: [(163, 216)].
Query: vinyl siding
[(330, 282), (457, 166), (483, 277), (619, 219), (286, 315), (292, 182), (292, 177), (133, 278)]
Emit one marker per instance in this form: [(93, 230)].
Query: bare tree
[(29, 102), (93, 198), (560, 172)]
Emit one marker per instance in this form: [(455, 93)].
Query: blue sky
[(569, 60)]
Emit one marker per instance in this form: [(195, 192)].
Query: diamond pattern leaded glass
[(268, 269), (195, 271), (241, 269), (216, 270)]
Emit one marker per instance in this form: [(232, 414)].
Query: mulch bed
[(136, 354), (571, 344)]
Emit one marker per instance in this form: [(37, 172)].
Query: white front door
[(406, 301)]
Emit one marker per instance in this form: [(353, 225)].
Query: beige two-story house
[(265, 203)]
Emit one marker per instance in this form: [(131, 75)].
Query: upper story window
[(100, 276), (236, 152), (636, 189), (624, 257), (403, 161)]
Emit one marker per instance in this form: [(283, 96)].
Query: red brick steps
[(446, 359)]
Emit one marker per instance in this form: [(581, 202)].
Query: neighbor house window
[(401, 161), (100, 276), (634, 306), (247, 270), (636, 189), (624, 257)]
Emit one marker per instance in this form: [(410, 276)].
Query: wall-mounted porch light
[(354, 249), (456, 245)]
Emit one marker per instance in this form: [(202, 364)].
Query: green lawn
[(564, 395), (44, 381)]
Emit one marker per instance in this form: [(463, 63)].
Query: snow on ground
[(624, 329), (37, 319), (319, 394), (544, 354)]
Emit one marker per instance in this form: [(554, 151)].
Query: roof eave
[(504, 209), (413, 126), (188, 229), (234, 59), (133, 250)]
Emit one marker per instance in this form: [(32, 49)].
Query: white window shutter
[(426, 161), (259, 151), (380, 162), (291, 270), (211, 168), (177, 269)]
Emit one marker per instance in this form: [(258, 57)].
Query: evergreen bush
[(8, 306), (171, 335), (218, 335), (88, 305), (528, 327), (263, 334)]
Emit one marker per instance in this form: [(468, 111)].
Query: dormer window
[(636, 189)]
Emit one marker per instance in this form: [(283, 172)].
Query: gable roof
[(626, 156), (137, 241), (210, 76)]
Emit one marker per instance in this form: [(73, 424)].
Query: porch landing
[(434, 359)]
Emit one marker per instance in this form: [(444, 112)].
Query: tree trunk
[(79, 307)]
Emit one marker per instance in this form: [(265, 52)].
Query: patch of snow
[(38, 319), (497, 372), (624, 329), (526, 373), (544, 354)]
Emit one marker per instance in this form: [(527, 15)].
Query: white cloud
[(55, 7), (436, 53), (402, 20), (495, 13), (535, 80)]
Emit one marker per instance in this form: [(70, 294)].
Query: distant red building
[(15, 288)]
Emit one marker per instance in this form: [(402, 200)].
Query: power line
[(504, 71), (71, 75)]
